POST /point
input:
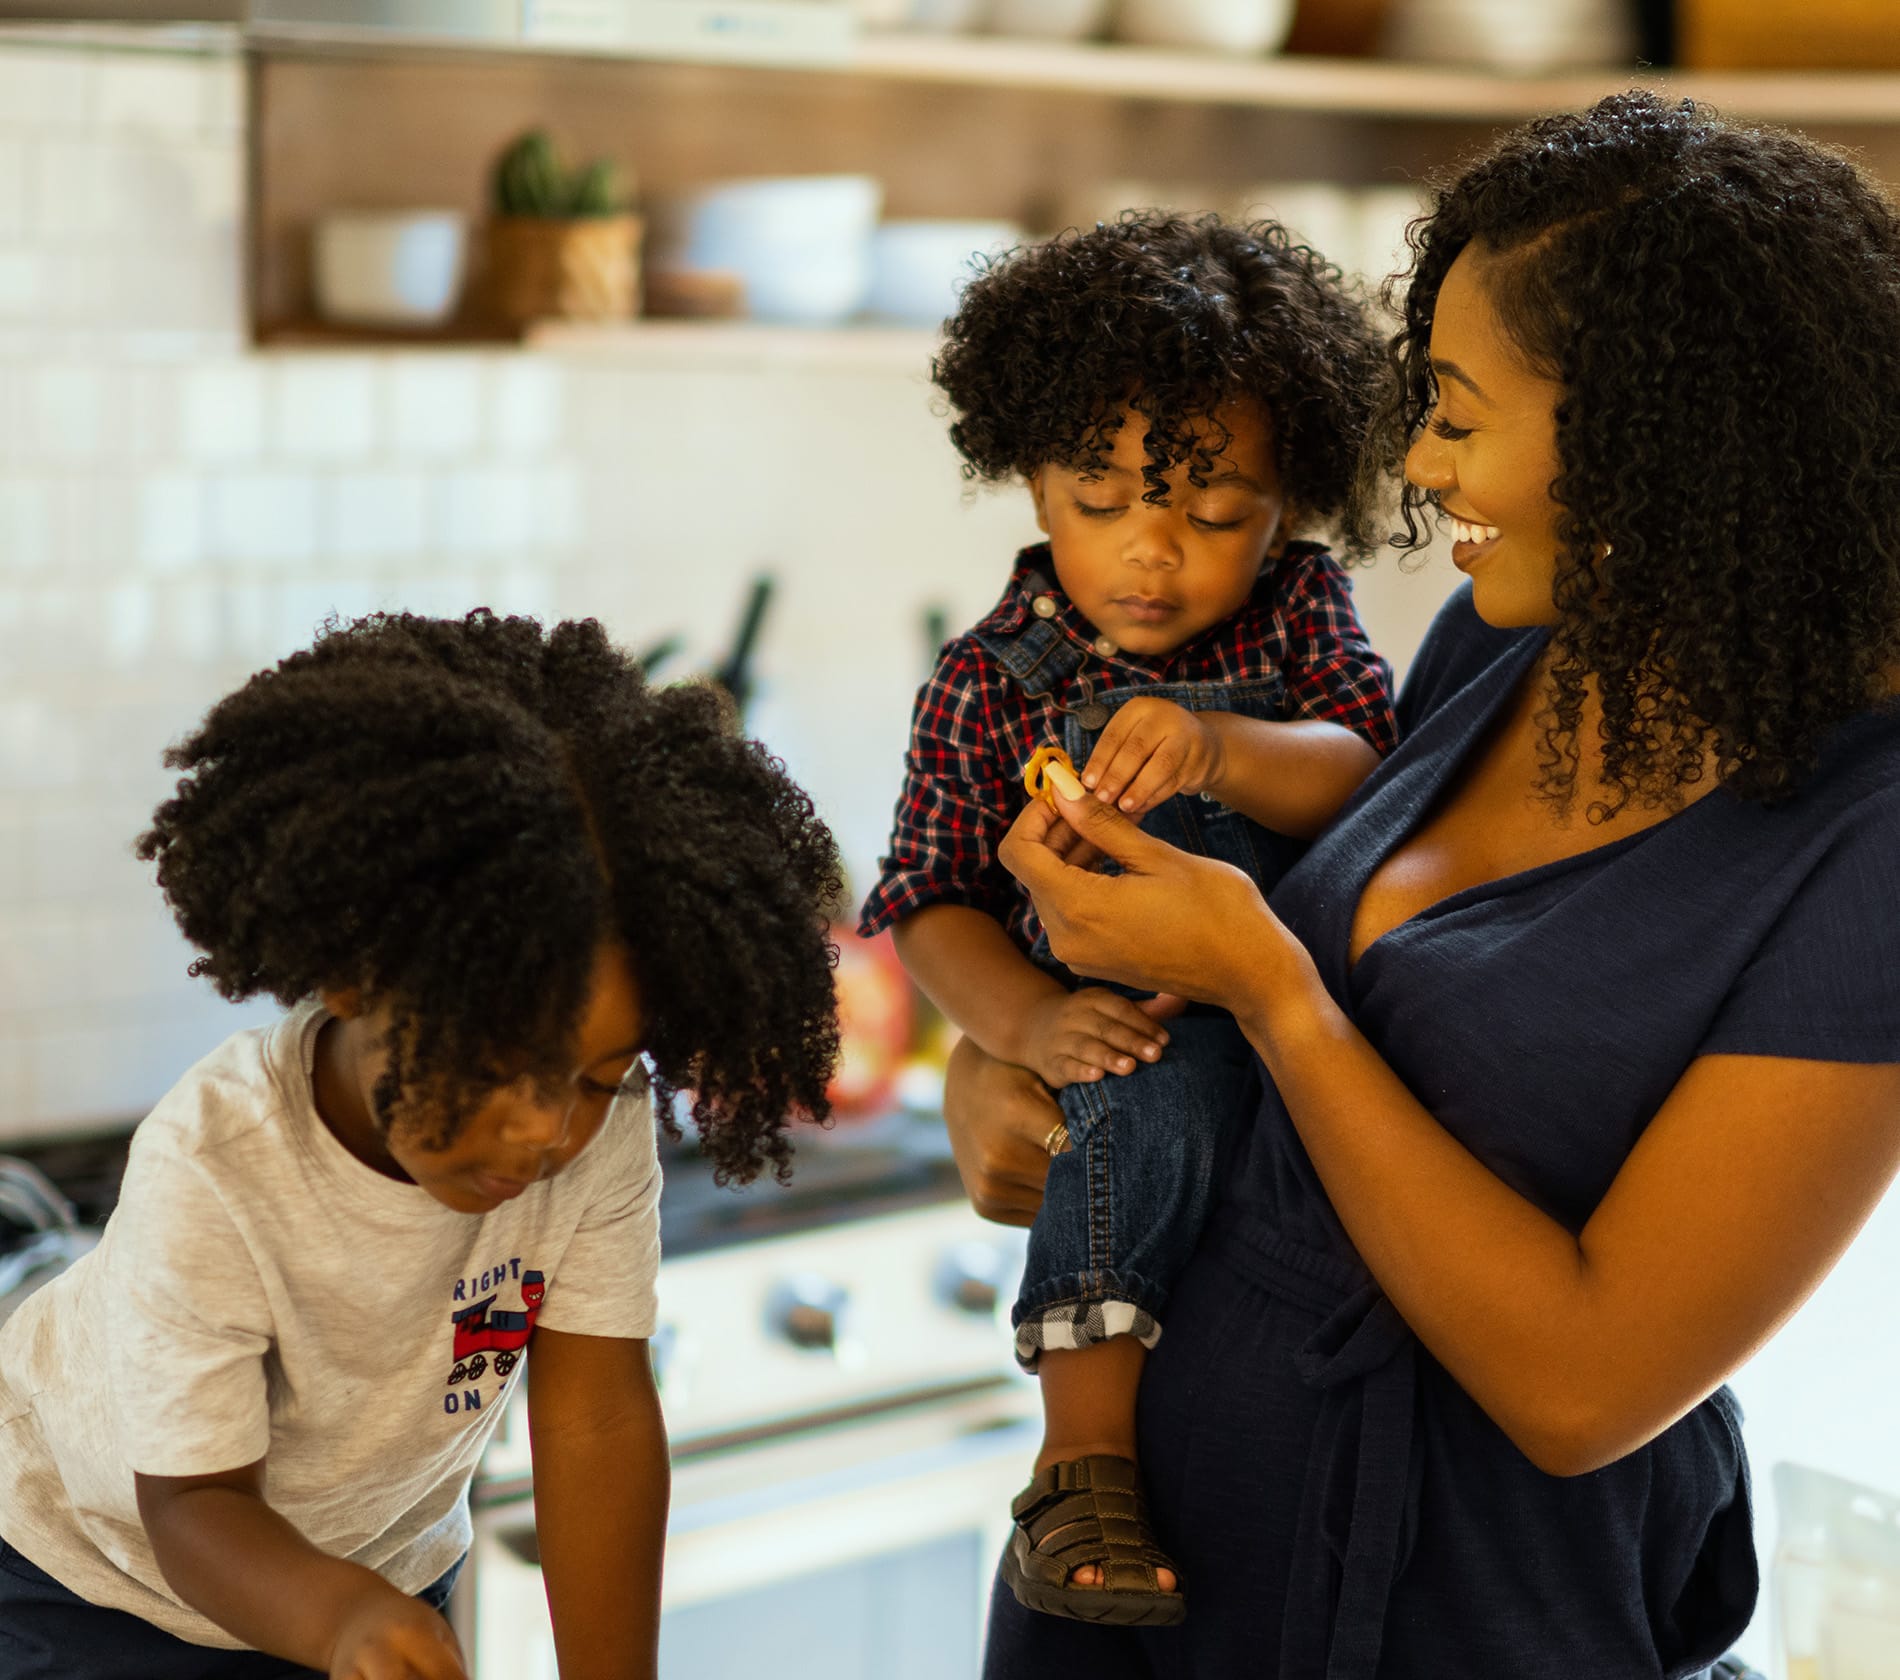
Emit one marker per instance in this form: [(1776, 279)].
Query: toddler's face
[(522, 1132), (1152, 578)]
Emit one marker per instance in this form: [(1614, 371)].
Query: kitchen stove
[(846, 1417)]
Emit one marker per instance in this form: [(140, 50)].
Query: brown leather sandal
[(1086, 1511)]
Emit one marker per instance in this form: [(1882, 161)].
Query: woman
[(1581, 1026)]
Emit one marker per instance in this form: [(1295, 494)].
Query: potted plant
[(564, 243)]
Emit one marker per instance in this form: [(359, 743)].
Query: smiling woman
[(1580, 1027)]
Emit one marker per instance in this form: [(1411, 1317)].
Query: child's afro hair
[(1175, 316), (450, 817)]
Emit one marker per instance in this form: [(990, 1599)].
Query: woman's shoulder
[(1458, 649)]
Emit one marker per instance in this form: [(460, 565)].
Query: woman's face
[(522, 1132), (1488, 454), (1152, 578)]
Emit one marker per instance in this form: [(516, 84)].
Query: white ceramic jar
[(1240, 27), (389, 268)]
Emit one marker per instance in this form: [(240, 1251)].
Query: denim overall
[(1123, 1208)]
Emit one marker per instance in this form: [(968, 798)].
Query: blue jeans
[(1123, 1207), (48, 1632)]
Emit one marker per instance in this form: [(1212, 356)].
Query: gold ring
[(1058, 1139)]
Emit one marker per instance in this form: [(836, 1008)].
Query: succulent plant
[(531, 180)]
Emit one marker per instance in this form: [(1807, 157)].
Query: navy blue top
[(1331, 1493)]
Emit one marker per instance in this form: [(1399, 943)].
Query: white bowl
[(389, 267), (800, 243), (1049, 20), (1228, 26), (1507, 35), (943, 17), (919, 268)]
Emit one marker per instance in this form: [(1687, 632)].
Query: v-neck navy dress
[(1339, 1507)]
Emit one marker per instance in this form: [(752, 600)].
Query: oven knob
[(808, 1311), (970, 1278)]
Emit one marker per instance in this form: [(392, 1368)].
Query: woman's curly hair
[(1721, 306), (451, 816), (1175, 316)]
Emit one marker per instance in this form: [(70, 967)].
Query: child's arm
[(232, 1558), (601, 1485), (971, 970), (1291, 776)]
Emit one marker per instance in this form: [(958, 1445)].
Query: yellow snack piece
[(1035, 773)]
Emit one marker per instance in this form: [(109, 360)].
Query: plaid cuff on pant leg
[(1080, 1324)]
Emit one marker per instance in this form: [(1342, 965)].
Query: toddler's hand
[(1150, 751), (390, 1636), (1080, 1036)]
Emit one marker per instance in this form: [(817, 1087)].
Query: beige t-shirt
[(258, 1290)]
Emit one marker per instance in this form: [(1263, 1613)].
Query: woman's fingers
[(1026, 851)]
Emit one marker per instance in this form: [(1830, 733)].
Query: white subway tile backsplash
[(487, 510), (526, 397), (188, 624), (27, 513), (325, 409), (221, 413), (47, 964), (435, 404), (16, 881), (82, 285), (77, 187), (45, 87), (128, 621), (14, 200), (23, 284), (98, 1075), (16, 1085), (558, 519), (268, 518), (380, 514), (149, 91), (81, 853), (76, 414), (100, 522), (522, 591), (171, 522), (221, 96), (194, 290)]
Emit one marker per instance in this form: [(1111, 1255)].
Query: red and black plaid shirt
[(974, 727)]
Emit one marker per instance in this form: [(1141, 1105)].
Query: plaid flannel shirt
[(973, 727)]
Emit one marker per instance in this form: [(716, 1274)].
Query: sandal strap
[(1091, 1511)]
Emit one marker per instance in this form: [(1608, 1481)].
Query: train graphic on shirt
[(482, 1330)]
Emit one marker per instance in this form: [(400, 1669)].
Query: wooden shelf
[(1377, 88), (1040, 134), (750, 345), (744, 344)]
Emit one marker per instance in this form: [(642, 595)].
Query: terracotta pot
[(584, 268)]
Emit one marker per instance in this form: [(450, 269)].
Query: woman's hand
[(1000, 1118), (1172, 922)]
